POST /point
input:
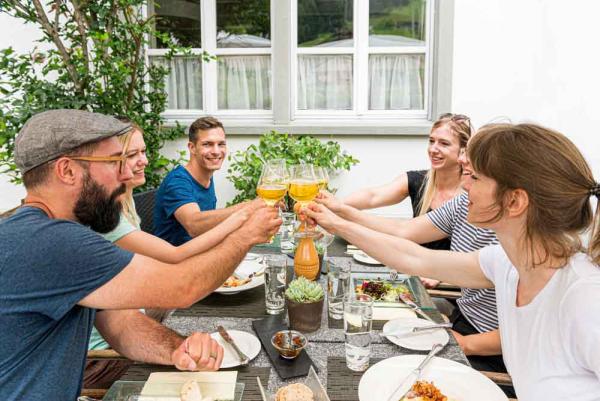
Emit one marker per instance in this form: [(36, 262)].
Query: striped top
[(477, 305)]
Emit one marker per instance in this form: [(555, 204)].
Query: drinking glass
[(338, 287), (358, 319), (273, 182), (275, 281), (286, 231), (322, 177), (303, 186)]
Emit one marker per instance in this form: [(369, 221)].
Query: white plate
[(364, 258), (456, 381), (421, 341), (246, 342), (246, 268)]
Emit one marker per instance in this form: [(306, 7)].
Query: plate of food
[(248, 275), (386, 292), (440, 378), (362, 257)]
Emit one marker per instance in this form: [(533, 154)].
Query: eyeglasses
[(122, 159)]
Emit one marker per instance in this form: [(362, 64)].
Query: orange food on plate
[(232, 281), (425, 391)]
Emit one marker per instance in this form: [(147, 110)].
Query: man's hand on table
[(198, 352)]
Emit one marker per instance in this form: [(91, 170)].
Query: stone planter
[(305, 317)]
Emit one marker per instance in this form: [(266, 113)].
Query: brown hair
[(555, 176), (203, 124), (461, 126)]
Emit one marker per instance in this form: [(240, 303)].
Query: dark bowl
[(289, 343)]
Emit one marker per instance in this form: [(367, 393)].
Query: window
[(295, 62)]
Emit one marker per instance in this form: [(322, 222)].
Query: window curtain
[(184, 82), (395, 82), (325, 82), (244, 82)]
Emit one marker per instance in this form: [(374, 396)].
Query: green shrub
[(302, 290)]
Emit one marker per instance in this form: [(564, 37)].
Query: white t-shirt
[(551, 346)]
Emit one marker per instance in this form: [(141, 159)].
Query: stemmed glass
[(303, 186), (322, 177), (273, 182)]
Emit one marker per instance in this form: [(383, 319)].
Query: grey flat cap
[(51, 134)]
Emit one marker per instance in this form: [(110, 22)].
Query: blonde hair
[(557, 180), (460, 125), (128, 204)]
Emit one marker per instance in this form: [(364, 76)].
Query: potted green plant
[(246, 165), (304, 301)]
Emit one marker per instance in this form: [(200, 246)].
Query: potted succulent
[(304, 300)]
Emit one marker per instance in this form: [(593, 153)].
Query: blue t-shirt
[(177, 189), (46, 267)]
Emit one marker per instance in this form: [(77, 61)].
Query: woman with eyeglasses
[(533, 188), (129, 236), (427, 189)]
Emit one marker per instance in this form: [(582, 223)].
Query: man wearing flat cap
[(59, 277)]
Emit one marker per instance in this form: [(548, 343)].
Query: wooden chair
[(445, 290), (144, 205), (96, 355)]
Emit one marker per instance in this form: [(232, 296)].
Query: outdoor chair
[(96, 355), (144, 205)]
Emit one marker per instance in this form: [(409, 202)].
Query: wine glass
[(273, 182), (322, 177), (303, 186)]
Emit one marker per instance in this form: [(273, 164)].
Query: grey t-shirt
[(46, 267), (478, 306)]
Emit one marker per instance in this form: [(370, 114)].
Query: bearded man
[(59, 276)]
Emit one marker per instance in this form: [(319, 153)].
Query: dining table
[(325, 346)]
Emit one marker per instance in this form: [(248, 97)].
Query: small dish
[(289, 343)]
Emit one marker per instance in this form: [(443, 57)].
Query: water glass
[(286, 232), (275, 281), (358, 319), (338, 287)]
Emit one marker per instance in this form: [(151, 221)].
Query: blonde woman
[(532, 186), (427, 189), (128, 235)]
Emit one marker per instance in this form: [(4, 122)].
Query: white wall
[(533, 60)]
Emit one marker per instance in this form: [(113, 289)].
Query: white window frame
[(284, 52)]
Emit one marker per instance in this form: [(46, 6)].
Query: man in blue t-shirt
[(185, 204), (59, 276)]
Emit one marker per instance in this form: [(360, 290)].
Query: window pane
[(325, 82), (243, 23), (184, 82), (245, 82), (325, 23), (180, 19), (396, 81), (397, 23)]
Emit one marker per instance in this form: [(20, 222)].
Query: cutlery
[(417, 330), (415, 374), (261, 389), (404, 298), (243, 358)]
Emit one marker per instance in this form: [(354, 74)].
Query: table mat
[(246, 375), (287, 369), (342, 383), (378, 324), (250, 304)]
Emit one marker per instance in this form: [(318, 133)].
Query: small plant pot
[(305, 317)]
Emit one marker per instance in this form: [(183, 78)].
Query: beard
[(96, 208)]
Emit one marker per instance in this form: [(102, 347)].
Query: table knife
[(243, 358), (414, 375)]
